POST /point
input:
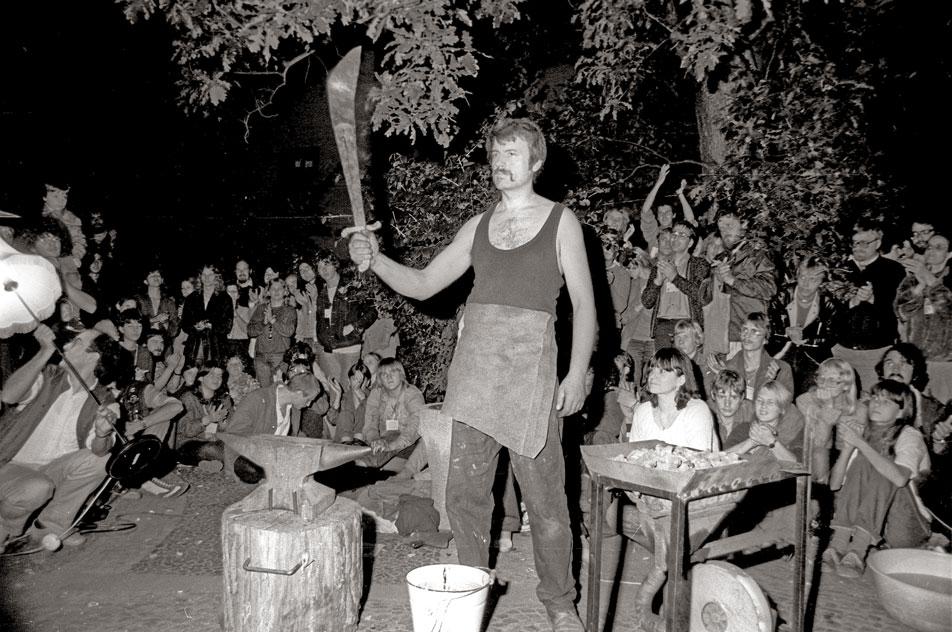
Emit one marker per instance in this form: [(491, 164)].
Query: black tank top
[(525, 276)]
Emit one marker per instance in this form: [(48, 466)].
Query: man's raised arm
[(447, 266)]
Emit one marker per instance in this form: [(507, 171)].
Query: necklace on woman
[(805, 301)]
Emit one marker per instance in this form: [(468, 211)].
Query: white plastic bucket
[(447, 597)]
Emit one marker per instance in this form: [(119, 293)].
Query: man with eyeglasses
[(869, 324)]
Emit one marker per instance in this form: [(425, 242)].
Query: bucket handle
[(438, 625), (272, 571)]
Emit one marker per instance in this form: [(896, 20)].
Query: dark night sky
[(88, 99)]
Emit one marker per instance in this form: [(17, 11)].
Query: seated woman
[(731, 409), (671, 410), (777, 426), (830, 403), (671, 413), (391, 424), (877, 476), (240, 380), (777, 429), (207, 406), (753, 361)]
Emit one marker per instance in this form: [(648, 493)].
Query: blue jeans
[(469, 506)]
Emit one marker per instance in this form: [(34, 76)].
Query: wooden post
[(284, 573)]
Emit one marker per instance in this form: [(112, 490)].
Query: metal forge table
[(681, 488)]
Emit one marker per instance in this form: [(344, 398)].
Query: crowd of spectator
[(714, 347)]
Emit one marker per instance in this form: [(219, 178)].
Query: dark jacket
[(256, 413), (755, 283), (167, 306), (872, 325), (346, 309), (213, 341), (818, 334), (698, 269)]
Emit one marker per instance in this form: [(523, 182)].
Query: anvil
[(288, 464)]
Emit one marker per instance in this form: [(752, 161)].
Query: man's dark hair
[(914, 356), (129, 316), (110, 368)]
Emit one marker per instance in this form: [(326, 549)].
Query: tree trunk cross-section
[(321, 595)]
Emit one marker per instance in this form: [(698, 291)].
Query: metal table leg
[(595, 553), (802, 550), (677, 596)]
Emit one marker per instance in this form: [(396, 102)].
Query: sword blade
[(341, 95)]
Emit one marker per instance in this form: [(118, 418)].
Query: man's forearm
[(583, 338), (17, 387), (403, 279)]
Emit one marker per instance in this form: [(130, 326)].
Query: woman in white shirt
[(672, 411)]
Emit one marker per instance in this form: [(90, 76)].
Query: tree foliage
[(615, 91), (426, 48)]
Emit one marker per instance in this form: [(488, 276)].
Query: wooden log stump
[(288, 574)]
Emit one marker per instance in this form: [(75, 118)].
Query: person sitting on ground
[(777, 430), (240, 381), (730, 406), (777, 427), (56, 437), (904, 362), (830, 403), (269, 410), (349, 418), (168, 363), (671, 410), (753, 362), (129, 324), (372, 361), (877, 476), (299, 358), (391, 424), (207, 407)]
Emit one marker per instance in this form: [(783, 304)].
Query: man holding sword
[(502, 388)]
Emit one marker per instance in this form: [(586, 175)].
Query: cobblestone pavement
[(165, 575)]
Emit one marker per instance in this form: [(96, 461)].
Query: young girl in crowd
[(831, 403), (877, 476), (733, 411), (777, 426)]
